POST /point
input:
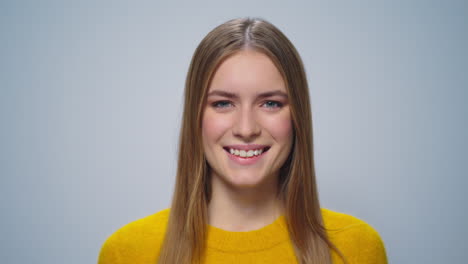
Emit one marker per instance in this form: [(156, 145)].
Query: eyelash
[(217, 104), (278, 104)]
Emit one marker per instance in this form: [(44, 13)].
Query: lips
[(246, 156), (251, 148), (246, 147)]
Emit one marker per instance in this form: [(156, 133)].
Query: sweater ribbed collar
[(256, 240)]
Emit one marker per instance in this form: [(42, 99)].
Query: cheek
[(214, 126), (280, 127)]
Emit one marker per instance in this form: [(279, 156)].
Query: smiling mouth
[(246, 154)]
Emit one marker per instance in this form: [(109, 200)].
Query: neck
[(235, 208)]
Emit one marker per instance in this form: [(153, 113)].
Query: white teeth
[(244, 153)]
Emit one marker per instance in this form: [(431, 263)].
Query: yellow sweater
[(139, 242)]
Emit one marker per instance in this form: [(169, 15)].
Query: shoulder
[(139, 239), (151, 224), (339, 223), (357, 240)]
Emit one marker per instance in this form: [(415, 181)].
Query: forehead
[(247, 72)]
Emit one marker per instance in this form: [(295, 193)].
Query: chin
[(245, 180)]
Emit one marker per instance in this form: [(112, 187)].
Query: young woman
[(245, 188)]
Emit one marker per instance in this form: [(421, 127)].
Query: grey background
[(91, 100)]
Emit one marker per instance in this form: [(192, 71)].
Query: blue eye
[(273, 104), (221, 104)]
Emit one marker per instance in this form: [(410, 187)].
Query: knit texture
[(139, 242)]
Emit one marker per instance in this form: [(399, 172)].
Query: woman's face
[(246, 128)]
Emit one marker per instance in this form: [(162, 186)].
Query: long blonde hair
[(186, 233)]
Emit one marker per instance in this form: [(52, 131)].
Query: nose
[(246, 126)]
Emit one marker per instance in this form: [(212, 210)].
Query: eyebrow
[(260, 95)]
